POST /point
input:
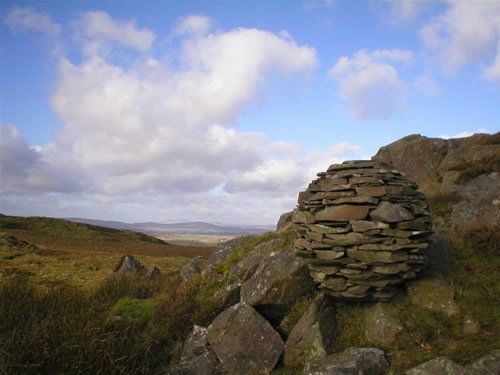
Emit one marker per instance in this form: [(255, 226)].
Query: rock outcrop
[(364, 229), (464, 171)]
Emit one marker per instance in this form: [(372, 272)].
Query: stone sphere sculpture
[(364, 228)]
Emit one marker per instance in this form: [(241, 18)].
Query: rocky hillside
[(272, 318), (461, 176)]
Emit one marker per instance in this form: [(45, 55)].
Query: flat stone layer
[(364, 228)]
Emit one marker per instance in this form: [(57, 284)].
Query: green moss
[(133, 311)]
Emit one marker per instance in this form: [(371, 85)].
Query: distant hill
[(59, 234), (197, 227)]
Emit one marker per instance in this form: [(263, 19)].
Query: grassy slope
[(58, 234), (60, 252)]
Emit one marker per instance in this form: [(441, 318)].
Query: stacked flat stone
[(364, 228)]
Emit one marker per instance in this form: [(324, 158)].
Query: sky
[(223, 111)]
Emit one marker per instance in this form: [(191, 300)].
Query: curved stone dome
[(364, 228)]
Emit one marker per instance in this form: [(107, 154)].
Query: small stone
[(372, 191), (391, 269), (351, 200), (365, 225), (351, 238), (325, 254), (342, 213), (302, 243), (378, 256), (302, 217), (390, 213)]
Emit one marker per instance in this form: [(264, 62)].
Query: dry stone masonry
[(364, 228)]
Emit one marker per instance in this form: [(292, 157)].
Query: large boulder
[(313, 334), (244, 341), (278, 282), (381, 323), (245, 268), (439, 365), (128, 266), (352, 361)]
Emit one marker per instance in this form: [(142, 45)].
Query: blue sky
[(222, 111)]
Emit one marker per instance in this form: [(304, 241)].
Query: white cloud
[(25, 169), (193, 24), (100, 29), (157, 139), (371, 82), (464, 134), (466, 33), (402, 12), (428, 85), (27, 19)]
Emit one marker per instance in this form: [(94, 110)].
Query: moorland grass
[(58, 234)]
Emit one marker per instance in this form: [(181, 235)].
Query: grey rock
[(438, 366), (206, 363), (152, 272), (378, 256), (343, 212), (381, 324), (244, 341), (285, 221), (487, 364), (352, 361), (313, 334), (433, 293), (244, 269), (195, 344), (128, 266), (279, 280), (191, 270), (390, 213)]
